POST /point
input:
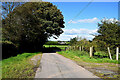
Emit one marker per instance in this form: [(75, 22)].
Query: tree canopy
[(30, 25), (108, 34)]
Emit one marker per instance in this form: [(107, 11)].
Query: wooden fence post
[(77, 47), (91, 51), (74, 47), (117, 53), (65, 48), (80, 48), (109, 53)]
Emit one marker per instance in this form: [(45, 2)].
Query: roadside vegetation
[(83, 55), (107, 36), (20, 66)]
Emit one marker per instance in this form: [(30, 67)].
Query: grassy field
[(104, 68), (59, 46), (20, 66)]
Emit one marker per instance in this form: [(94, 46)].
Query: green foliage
[(99, 45), (0, 33), (82, 42), (85, 44), (79, 53), (109, 32), (73, 41), (19, 66), (101, 54), (31, 24)]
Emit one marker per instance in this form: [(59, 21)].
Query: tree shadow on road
[(51, 50)]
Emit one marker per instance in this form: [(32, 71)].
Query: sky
[(59, 0), (82, 18)]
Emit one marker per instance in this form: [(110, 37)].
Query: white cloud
[(71, 33), (71, 21), (79, 31), (63, 37), (93, 20)]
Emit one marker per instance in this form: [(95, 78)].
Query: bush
[(79, 53), (82, 53), (8, 49), (100, 54)]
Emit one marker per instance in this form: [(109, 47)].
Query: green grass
[(56, 45), (19, 66), (82, 55), (59, 46)]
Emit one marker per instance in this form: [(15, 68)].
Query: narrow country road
[(54, 65)]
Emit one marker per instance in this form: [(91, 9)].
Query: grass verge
[(20, 66), (85, 57), (103, 68)]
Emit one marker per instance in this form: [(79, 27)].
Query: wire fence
[(91, 51)]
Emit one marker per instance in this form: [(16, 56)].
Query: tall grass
[(58, 46), (19, 66)]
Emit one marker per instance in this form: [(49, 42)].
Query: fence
[(91, 51)]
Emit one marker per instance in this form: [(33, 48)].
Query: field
[(59, 46), (20, 66), (104, 68)]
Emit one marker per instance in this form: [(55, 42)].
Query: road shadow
[(9, 50), (51, 50)]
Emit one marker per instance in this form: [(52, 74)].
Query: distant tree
[(84, 43), (73, 41), (32, 24)]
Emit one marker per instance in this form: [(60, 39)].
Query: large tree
[(108, 33), (32, 24)]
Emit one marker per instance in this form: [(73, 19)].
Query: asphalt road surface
[(54, 65)]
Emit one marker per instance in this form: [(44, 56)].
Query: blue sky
[(84, 24)]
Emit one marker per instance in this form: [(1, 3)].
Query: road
[(54, 65)]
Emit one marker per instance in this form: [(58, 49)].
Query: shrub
[(8, 49), (101, 54)]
